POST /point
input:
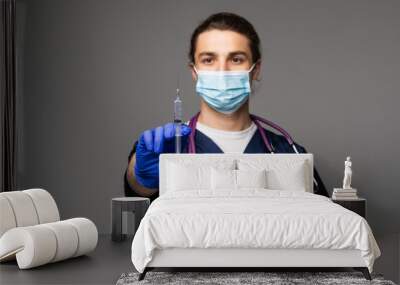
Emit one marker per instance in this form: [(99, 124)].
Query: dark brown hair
[(227, 21)]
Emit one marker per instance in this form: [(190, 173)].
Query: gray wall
[(95, 74)]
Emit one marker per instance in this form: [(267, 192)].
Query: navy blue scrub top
[(204, 144)]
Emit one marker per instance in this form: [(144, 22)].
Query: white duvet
[(252, 218)]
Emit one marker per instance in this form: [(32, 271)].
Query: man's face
[(223, 50)]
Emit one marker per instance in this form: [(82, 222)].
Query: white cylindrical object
[(23, 207), (7, 218), (88, 235), (67, 239), (33, 245), (45, 205)]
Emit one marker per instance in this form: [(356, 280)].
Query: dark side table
[(137, 205), (357, 205)]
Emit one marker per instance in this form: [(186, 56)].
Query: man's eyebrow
[(232, 53), (206, 53), (239, 52)]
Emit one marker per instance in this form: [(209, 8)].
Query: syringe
[(178, 122)]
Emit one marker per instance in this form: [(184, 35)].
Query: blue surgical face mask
[(224, 91)]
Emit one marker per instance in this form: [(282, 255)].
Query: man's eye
[(207, 60), (237, 60)]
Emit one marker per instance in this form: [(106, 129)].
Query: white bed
[(200, 220)]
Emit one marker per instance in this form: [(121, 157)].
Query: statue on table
[(347, 174)]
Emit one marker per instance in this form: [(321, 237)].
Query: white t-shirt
[(229, 141)]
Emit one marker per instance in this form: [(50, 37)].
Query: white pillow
[(182, 177), (228, 179), (281, 175), (251, 178), (187, 176), (293, 178), (223, 179)]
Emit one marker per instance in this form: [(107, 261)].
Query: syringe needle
[(178, 121)]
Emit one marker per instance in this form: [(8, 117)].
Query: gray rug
[(228, 278)]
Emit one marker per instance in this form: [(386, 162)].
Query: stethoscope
[(257, 120)]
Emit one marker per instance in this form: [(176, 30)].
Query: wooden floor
[(102, 266)]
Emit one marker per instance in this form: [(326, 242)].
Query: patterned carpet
[(229, 278)]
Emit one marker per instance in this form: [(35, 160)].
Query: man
[(225, 59)]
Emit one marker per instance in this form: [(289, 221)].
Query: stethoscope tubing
[(257, 120)]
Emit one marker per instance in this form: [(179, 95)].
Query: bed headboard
[(270, 160)]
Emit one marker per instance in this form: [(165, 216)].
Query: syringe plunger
[(177, 108), (178, 122)]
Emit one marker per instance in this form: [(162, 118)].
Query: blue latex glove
[(151, 143)]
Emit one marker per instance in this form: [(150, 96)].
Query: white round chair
[(31, 231)]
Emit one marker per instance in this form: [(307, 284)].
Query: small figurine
[(347, 174)]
